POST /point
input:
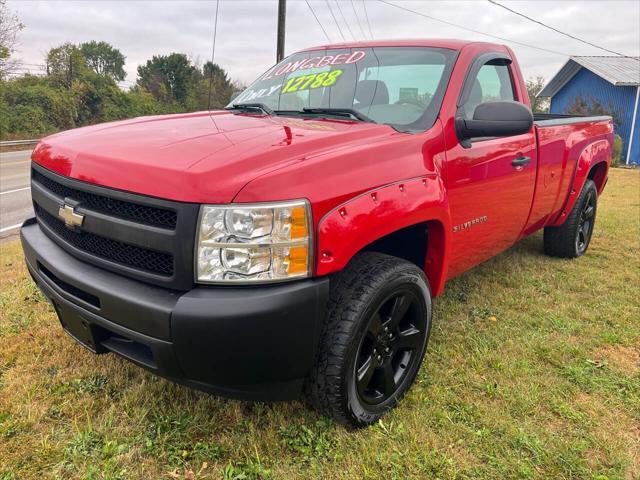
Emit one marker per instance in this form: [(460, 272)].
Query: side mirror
[(495, 119)]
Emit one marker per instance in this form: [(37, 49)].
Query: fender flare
[(593, 154), (348, 228)]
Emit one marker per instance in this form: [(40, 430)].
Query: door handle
[(521, 161)]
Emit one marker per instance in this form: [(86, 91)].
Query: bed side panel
[(562, 148)]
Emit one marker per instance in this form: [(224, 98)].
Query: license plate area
[(79, 328), (100, 340)]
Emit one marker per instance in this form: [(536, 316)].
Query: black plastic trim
[(554, 120), (179, 242), (256, 334), (80, 295), (254, 343), (138, 212), (143, 307), (467, 86), (120, 229)]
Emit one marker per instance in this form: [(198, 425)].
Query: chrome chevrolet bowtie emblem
[(70, 217)]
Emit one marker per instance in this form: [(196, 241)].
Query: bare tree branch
[(10, 26)]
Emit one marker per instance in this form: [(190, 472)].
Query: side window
[(492, 83)]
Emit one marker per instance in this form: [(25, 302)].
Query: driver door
[(490, 180)]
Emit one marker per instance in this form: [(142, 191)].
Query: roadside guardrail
[(15, 143)]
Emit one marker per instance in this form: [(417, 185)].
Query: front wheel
[(572, 238), (373, 340)]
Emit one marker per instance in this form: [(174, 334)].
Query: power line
[(336, 20), (345, 20), (556, 30), (318, 20), (213, 52), (353, 6), (366, 15), (472, 30)]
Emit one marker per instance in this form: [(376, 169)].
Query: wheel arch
[(593, 163), (598, 173), (406, 219)]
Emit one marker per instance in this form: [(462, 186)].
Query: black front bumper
[(255, 342)]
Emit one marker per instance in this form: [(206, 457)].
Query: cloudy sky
[(247, 28)]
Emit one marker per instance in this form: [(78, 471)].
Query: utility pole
[(282, 15)]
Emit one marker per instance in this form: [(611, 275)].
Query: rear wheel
[(572, 238), (373, 340)]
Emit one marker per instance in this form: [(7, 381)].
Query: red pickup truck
[(291, 243)]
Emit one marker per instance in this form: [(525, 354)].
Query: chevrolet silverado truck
[(290, 244)]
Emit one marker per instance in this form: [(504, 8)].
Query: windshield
[(399, 86)]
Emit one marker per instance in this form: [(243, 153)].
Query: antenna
[(213, 53)]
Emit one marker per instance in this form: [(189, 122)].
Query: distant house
[(608, 85)]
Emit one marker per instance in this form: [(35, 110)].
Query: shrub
[(27, 120), (80, 89), (32, 106), (617, 151)]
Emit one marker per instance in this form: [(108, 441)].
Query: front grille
[(122, 253), (145, 238), (158, 217)]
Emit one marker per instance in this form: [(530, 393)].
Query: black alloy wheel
[(586, 222), (572, 238), (373, 339), (394, 335)]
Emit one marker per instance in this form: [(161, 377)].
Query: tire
[(572, 238), (373, 339)]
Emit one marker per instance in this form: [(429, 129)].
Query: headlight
[(253, 243)]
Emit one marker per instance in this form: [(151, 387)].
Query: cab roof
[(451, 44)]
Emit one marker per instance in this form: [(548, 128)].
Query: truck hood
[(199, 157)]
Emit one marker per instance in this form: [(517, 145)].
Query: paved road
[(15, 193)]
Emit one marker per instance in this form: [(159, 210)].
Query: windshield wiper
[(341, 112), (251, 106)]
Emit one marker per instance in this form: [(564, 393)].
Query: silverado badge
[(470, 223), (71, 218)]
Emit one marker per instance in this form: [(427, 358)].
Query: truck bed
[(562, 139)]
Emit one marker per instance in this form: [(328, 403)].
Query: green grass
[(533, 371)]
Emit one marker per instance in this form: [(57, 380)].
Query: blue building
[(611, 82)]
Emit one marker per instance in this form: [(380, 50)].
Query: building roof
[(619, 71)]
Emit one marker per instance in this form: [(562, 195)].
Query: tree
[(95, 97), (104, 59), (31, 106), (221, 86), (210, 87), (594, 107), (214, 70), (81, 88), (10, 26), (534, 87), (167, 77), (65, 64)]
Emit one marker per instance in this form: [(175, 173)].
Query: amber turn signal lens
[(298, 223), (298, 260)]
